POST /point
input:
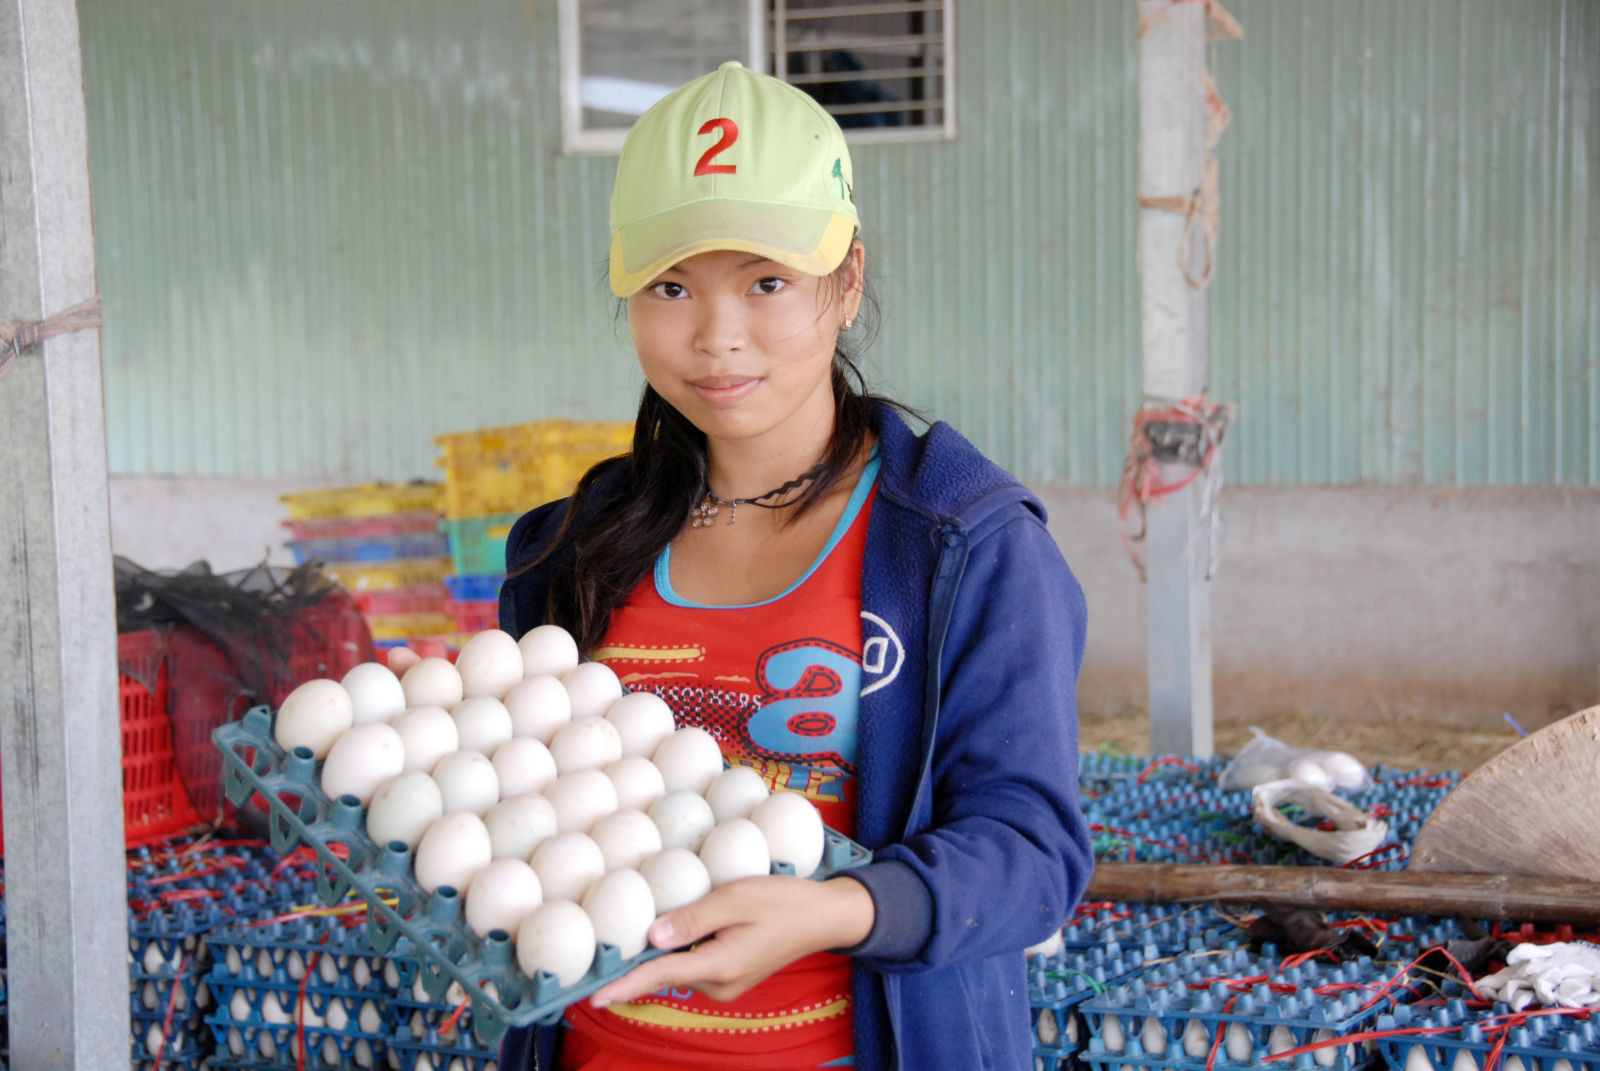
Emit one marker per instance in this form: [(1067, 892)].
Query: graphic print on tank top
[(778, 684)]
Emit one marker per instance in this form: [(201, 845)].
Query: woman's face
[(743, 346)]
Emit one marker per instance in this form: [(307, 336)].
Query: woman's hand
[(744, 932)]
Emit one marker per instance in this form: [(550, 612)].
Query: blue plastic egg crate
[(1543, 1043), (431, 1052), (284, 951), (1058, 984), (1177, 814), (255, 1042), (1160, 1015), (1167, 927), (1053, 1060), (186, 1042), (402, 918)]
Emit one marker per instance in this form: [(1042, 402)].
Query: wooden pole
[(1512, 897)]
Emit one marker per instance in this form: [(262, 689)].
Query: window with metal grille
[(885, 70)]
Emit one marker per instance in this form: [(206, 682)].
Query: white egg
[(734, 792), (689, 760), (452, 852), (362, 759), (567, 864), (467, 781), (677, 877), (338, 1015), (626, 839), (490, 664), (313, 716), (1048, 947), (1311, 772), (400, 659), (585, 744), (539, 706), (433, 682), (403, 808), (793, 830), (482, 723), (637, 781), (1344, 769), (592, 687), (502, 894), (557, 938), (735, 849), (429, 734), (547, 650), (524, 765), (519, 825), (683, 818), (375, 692), (622, 909), (643, 720), (581, 799)]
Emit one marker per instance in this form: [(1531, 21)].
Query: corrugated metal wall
[(328, 232)]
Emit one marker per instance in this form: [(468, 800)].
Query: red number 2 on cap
[(730, 134)]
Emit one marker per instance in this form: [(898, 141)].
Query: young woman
[(875, 618)]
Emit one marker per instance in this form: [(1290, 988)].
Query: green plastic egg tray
[(403, 918)]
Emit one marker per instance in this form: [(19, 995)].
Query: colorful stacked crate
[(382, 543), (492, 477)]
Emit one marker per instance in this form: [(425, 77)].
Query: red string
[(1371, 859), (1165, 760), (1098, 828), (449, 1027), (300, 1006), (1216, 1041), (1492, 1024), (172, 1002)]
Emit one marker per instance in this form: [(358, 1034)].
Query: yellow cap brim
[(810, 240)]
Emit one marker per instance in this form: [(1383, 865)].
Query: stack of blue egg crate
[(178, 894)]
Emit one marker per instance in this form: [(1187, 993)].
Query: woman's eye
[(669, 290), (770, 285)]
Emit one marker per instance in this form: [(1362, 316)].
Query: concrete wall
[(1446, 604), (1453, 605)]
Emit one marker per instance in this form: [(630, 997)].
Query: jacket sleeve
[(1007, 854)]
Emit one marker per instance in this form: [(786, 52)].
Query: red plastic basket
[(154, 803), (175, 686), (326, 641)]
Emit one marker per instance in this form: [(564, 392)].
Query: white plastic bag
[(1355, 833), (1563, 975), (1266, 758)]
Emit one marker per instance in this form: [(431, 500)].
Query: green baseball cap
[(732, 160)]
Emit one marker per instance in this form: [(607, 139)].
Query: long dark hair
[(662, 479)]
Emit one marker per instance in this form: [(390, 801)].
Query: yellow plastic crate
[(381, 576), (405, 626), (364, 500), (514, 468)]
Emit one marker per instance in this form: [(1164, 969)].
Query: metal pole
[(66, 907), (1172, 155)]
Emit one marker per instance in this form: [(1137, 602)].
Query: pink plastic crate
[(384, 527)]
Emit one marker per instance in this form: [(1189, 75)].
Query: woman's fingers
[(681, 970), (718, 909)]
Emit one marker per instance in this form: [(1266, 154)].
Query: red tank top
[(778, 683)]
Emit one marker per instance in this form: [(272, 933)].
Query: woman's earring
[(847, 324)]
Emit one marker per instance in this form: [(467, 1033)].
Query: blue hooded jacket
[(972, 636)]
